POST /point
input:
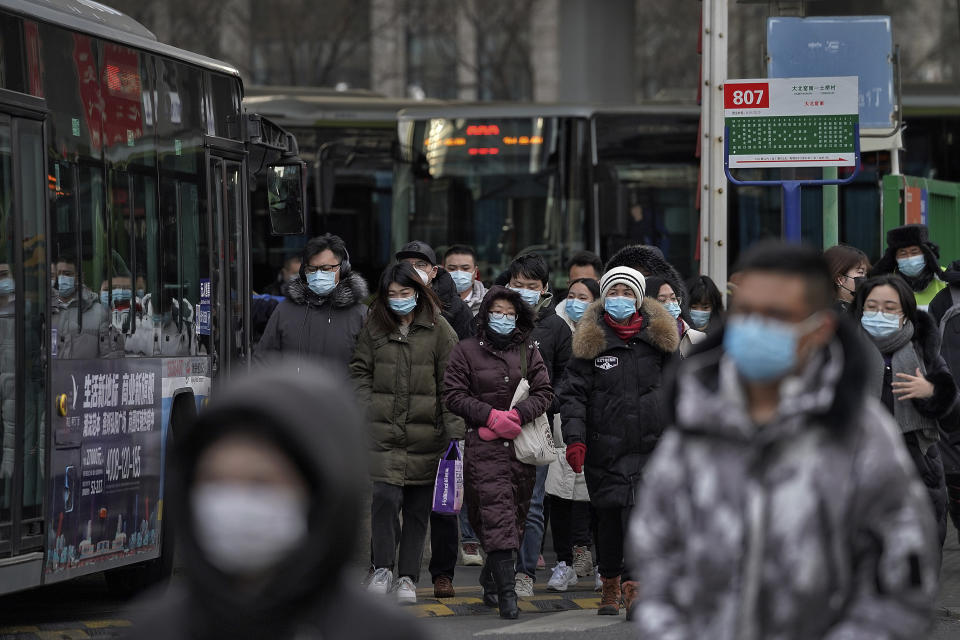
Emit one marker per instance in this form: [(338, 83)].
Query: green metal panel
[(943, 211)]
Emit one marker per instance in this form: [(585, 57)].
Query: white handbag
[(535, 443)]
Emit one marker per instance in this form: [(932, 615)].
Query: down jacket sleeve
[(574, 392), (457, 396), (896, 551), (944, 391), (270, 340), (361, 367), (446, 343), (541, 393)]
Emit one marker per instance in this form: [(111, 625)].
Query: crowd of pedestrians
[(765, 463)]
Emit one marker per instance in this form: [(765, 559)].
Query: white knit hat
[(624, 275)]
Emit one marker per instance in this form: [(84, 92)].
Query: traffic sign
[(791, 122)]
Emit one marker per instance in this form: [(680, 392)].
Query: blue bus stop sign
[(839, 46)]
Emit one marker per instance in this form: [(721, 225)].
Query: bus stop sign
[(791, 122)]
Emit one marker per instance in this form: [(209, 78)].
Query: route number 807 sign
[(791, 122)]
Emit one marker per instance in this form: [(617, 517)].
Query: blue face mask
[(463, 280), (6, 286), (530, 297), (66, 285), (673, 308), (504, 325), (764, 350), (700, 318), (575, 308), (879, 324), (322, 282), (912, 266), (403, 306), (620, 307)]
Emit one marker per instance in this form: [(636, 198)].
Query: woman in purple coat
[(481, 377)]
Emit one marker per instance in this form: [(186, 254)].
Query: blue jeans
[(533, 532), (467, 534)]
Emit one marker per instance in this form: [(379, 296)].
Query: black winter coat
[(553, 339), (481, 377), (950, 343), (610, 398), (313, 418), (310, 327), (455, 311)]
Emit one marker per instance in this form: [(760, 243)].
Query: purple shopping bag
[(448, 488)]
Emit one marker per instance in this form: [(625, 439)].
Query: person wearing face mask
[(848, 265), (782, 479), (266, 495), (444, 529), (324, 309), (70, 300), (581, 293), (910, 378), (479, 384), (911, 255), (398, 370), (610, 412), (706, 304), (460, 261), (529, 277), (666, 296), (455, 311)]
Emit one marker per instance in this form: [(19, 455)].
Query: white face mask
[(244, 529), (424, 276)]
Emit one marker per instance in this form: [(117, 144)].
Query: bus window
[(195, 262), (146, 256), (8, 345), (179, 117), (34, 294)]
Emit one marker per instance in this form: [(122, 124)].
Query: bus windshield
[(647, 183), (489, 183)]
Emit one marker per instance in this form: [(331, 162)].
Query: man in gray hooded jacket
[(783, 503)]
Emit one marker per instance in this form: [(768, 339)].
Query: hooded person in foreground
[(266, 494), (782, 502)]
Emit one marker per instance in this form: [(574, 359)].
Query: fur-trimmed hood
[(351, 290), (649, 261), (593, 336)]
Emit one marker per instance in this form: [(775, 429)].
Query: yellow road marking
[(63, 634), (106, 624), (432, 611), (27, 629)]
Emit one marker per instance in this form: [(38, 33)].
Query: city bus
[(349, 141), (126, 169), (554, 179)]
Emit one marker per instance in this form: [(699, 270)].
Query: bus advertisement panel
[(106, 465)]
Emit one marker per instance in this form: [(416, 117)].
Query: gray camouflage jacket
[(814, 526)]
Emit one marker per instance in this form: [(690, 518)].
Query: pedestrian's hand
[(486, 434), (514, 415), (912, 387), (576, 454)]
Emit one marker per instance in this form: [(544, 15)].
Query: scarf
[(920, 282), (625, 331), (904, 359)]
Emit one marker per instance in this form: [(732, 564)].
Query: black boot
[(489, 585), (501, 564)]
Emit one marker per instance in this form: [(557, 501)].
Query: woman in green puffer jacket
[(398, 370)]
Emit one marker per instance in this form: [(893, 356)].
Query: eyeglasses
[(326, 268), (422, 265), (503, 316)]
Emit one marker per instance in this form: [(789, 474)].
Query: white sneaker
[(470, 554), (598, 584), (563, 577), (406, 591), (523, 585), (381, 582)]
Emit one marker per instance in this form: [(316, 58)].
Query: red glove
[(576, 454), (505, 424), (486, 434)]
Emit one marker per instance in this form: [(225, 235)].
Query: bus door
[(229, 273), (24, 290)]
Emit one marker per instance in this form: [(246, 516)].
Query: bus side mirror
[(286, 195)]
